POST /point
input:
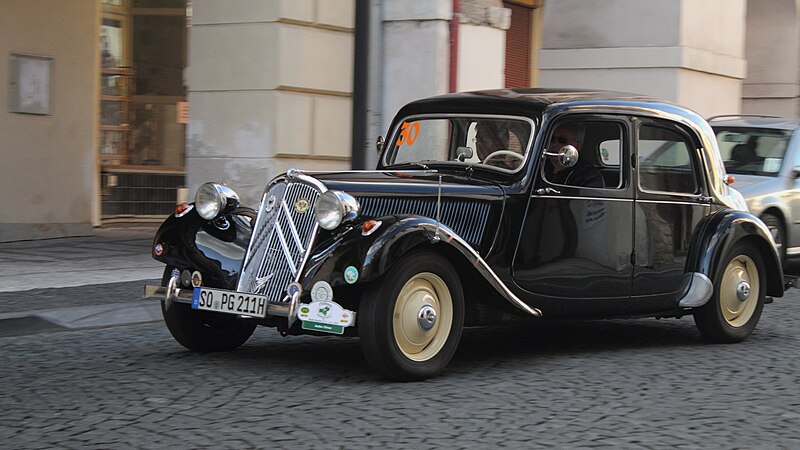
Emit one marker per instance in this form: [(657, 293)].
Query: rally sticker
[(350, 275), (327, 317), (408, 134)]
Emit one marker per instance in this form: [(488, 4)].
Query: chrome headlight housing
[(213, 200), (334, 208)]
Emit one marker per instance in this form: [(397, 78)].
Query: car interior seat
[(744, 153)]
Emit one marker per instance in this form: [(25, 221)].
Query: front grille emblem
[(301, 206), (263, 280), (270, 203)]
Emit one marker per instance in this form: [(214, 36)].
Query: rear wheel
[(778, 232), (410, 323), (202, 331), (733, 311)]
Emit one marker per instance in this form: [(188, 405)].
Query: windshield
[(497, 142), (752, 151)]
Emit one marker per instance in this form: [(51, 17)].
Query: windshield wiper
[(409, 164)]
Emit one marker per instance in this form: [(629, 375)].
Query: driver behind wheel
[(582, 173), (492, 144)]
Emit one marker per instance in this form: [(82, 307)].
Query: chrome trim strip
[(575, 197), (700, 290), (438, 208), (286, 252), (292, 228), (670, 202), (793, 251), (259, 218), (483, 268)]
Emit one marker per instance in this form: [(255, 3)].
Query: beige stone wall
[(270, 88), (772, 85), (49, 167), (687, 51)]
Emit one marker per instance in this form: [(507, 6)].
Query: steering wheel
[(499, 153)]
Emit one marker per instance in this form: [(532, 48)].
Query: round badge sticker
[(294, 288), (350, 275)]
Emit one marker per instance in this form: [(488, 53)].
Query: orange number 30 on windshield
[(408, 134)]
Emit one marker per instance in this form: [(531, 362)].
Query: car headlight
[(335, 207), (213, 200)]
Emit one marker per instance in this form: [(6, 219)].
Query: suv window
[(665, 161), (752, 151)]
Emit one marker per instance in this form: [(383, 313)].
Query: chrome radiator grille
[(281, 238), (467, 218)]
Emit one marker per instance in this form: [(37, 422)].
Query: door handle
[(547, 190)]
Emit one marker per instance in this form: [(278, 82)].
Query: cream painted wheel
[(410, 321), (423, 315), (733, 311), (739, 291)]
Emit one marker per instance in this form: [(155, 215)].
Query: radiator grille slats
[(280, 240), (284, 231), (465, 217)]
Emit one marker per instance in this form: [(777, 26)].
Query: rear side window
[(665, 161)]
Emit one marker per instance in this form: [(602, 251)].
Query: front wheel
[(410, 322), (733, 311), (203, 331)]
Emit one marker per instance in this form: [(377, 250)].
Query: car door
[(574, 249), (671, 198)]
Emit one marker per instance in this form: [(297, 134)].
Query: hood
[(407, 182), (755, 185)]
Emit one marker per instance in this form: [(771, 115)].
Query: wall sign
[(30, 85)]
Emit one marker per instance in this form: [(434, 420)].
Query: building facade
[(144, 100)]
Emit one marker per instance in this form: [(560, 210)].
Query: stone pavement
[(116, 260)]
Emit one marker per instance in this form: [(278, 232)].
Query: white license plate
[(229, 302)]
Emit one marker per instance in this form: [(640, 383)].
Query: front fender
[(373, 255), (193, 243), (369, 254), (720, 232)]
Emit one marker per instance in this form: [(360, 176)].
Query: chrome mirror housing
[(464, 153), (567, 155), (379, 144)]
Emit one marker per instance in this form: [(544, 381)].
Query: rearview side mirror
[(379, 144), (567, 155)]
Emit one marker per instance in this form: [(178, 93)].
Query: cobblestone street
[(639, 383)]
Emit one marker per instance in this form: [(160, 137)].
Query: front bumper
[(172, 293)]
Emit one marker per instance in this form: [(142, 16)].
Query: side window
[(599, 145), (665, 161)]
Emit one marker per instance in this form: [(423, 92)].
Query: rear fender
[(721, 232), (216, 251)]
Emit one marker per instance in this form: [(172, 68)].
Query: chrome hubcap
[(426, 318), (739, 291), (423, 316), (743, 290)]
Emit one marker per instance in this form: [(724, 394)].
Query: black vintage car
[(485, 207)]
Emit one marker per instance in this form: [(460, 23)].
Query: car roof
[(535, 97), (754, 121), (533, 101)]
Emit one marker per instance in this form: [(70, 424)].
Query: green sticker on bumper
[(323, 327)]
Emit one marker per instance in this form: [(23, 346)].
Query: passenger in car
[(583, 173), (492, 144)]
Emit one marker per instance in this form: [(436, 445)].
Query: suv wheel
[(778, 232)]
